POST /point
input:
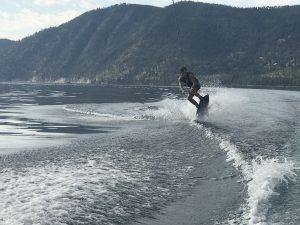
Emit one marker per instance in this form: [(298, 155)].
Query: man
[(188, 79)]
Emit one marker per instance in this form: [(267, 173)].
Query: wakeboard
[(203, 104)]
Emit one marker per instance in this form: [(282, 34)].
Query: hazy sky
[(20, 18)]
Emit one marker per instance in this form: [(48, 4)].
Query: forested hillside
[(146, 45)]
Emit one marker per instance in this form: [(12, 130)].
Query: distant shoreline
[(290, 88)]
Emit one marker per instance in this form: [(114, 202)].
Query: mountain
[(147, 45)]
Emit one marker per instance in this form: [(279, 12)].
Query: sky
[(21, 18)]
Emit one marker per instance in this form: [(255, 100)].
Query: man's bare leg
[(198, 95), (190, 98)]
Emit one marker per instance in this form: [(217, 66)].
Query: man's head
[(183, 70)]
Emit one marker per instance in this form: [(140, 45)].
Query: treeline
[(5, 43)]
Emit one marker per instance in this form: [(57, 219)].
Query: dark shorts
[(194, 90)]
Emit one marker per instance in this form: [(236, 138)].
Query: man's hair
[(183, 69)]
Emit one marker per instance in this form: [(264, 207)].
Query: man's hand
[(180, 84)]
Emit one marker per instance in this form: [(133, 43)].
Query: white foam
[(233, 154), (50, 194), (266, 176), (173, 110), (225, 104), (168, 110), (83, 109)]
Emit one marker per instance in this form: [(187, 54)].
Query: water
[(74, 154)]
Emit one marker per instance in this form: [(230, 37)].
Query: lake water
[(73, 154)]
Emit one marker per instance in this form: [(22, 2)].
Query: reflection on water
[(34, 115)]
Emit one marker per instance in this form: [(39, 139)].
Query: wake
[(261, 175)]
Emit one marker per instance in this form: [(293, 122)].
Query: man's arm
[(180, 84), (194, 81)]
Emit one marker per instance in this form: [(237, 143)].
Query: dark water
[(74, 154)]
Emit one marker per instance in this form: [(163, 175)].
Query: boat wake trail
[(261, 173), (165, 110)]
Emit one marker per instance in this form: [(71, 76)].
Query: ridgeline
[(136, 44)]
